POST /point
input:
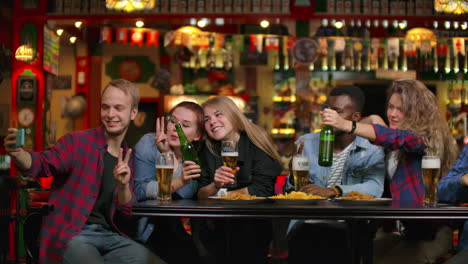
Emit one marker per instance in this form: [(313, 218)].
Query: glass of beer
[(230, 155), (164, 171), (300, 170), (430, 172)]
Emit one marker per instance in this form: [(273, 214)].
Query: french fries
[(357, 196), (297, 195), (238, 196)]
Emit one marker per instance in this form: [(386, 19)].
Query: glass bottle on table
[(327, 139), (188, 150)]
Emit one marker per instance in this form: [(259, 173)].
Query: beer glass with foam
[(430, 169), (164, 171), (300, 170), (230, 155)]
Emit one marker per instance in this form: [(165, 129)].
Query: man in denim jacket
[(358, 166)]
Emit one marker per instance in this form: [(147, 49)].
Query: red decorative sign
[(122, 36), (152, 37), (106, 34), (136, 37)]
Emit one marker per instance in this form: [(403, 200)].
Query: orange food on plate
[(357, 196), (238, 196), (297, 195)]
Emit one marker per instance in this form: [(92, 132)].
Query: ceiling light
[(264, 23), (72, 39), (464, 26), (193, 21), (78, 24), (139, 23), (447, 24), (385, 23), (402, 24), (59, 32), (130, 5), (219, 21), (376, 23), (338, 24), (202, 22)]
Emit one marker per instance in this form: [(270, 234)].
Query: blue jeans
[(95, 244)]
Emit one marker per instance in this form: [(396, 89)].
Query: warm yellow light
[(447, 24), (402, 24), (385, 23), (130, 5), (338, 24), (464, 26), (418, 34), (24, 53), (72, 39), (189, 29), (264, 23), (78, 24), (139, 23), (456, 7), (202, 22), (59, 32)]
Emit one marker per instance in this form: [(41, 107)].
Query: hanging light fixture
[(130, 5), (456, 7), (25, 53)]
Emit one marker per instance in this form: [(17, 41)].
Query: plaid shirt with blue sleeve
[(407, 183)]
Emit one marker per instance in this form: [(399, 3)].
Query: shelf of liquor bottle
[(383, 74)]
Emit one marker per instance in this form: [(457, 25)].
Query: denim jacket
[(450, 189), (363, 172), (146, 185)]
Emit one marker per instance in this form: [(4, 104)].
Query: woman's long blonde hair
[(422, 117), (239, 122)]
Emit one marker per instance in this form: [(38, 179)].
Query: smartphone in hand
[(19, 138)]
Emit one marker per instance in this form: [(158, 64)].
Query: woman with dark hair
[(416, 129), (166, 235)]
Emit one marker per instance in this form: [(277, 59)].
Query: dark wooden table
[(325, 209), (359, 214)]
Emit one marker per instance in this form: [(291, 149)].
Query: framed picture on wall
[(26, 90)]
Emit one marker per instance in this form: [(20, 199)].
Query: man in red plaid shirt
[(93, 180)]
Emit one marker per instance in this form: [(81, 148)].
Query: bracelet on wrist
[(353, 128)]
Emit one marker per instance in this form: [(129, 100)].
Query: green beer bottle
[(327, 138), (187, 148)]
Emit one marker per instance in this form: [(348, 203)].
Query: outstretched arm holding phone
[(15, 149)]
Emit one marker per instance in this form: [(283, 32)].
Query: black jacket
[(258, 170)]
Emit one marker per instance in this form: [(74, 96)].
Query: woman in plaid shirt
[(416, 128)]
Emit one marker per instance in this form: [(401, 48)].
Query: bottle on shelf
[(327, 139), (188, 150)]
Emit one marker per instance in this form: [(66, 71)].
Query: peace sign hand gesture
[(161, 136), (122, 170)]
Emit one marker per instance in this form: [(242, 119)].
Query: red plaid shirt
[(407, 183), (76, 163)]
